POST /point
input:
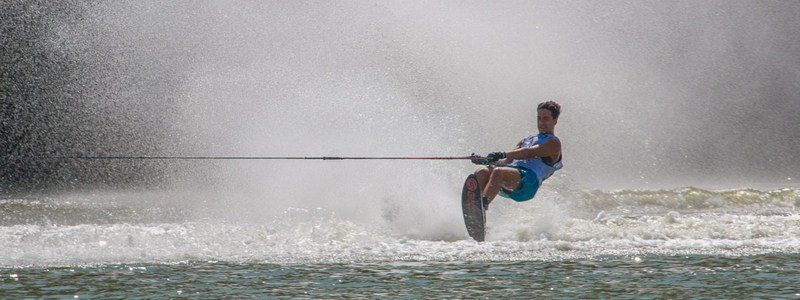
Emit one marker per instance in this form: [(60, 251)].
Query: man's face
[(545, 121)]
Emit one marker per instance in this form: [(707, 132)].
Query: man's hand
[(477, 159), (494, 157)]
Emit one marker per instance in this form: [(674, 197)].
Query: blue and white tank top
[(542, 167)]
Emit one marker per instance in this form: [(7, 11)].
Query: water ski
[(472, 207)]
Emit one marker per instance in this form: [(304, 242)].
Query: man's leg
[(482, 175), (501, 177)]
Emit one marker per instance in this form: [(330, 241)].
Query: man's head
[(547, 116)]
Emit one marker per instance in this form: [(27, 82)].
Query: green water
[(767, 276)]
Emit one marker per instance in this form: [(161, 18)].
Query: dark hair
[(552, 106)]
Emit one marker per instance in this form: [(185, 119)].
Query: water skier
[(519, 173)]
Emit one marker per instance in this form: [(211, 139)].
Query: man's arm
[(550, 148), (508, 160)]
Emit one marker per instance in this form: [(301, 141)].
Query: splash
[(551, 228), (654, 96)]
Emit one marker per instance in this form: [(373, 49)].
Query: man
[(523, 169)]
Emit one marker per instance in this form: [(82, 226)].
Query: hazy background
[(655, 94)]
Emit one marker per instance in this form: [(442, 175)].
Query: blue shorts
[(528, 185)]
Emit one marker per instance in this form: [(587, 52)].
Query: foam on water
[(735, 222)]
